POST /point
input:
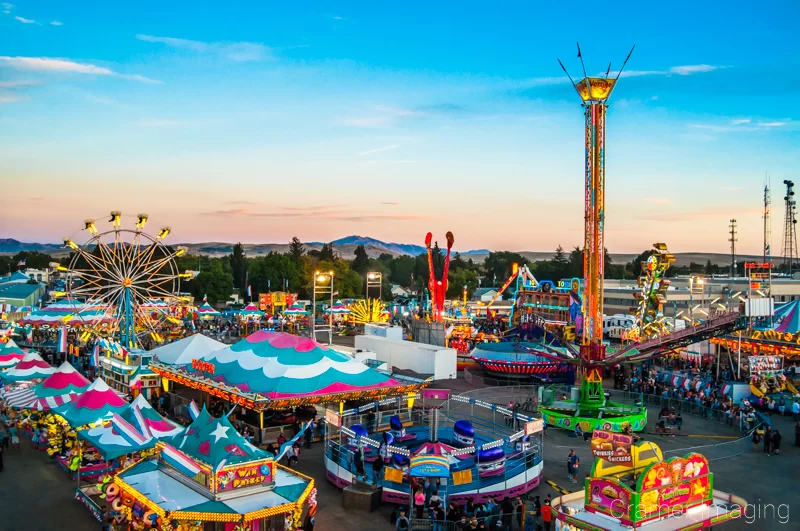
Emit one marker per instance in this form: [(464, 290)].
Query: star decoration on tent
[(220, 433)]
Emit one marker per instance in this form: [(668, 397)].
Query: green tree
[(361, 262), (498, 265), (238, 262), (33, 259), (460, 278), (268, 273), (576, 263), (401, 270), (636, 263), (296, 250), (213, 283), (326, 254), (457, 262)]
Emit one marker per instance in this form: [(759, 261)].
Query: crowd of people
[(497, 513)]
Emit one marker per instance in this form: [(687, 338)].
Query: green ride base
[(612, 417)]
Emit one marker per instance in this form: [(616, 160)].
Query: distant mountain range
[(347, 246)]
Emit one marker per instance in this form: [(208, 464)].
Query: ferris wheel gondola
[(114, 278)]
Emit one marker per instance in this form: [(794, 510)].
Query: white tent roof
[(182, 352)]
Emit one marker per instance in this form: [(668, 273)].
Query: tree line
[(294, 270)]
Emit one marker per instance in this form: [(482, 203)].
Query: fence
[(510, 521)]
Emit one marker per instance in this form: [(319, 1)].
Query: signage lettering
[(203, 366)]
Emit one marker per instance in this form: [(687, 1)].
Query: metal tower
[(767, 225), (594, 93), (733, 241), (789, 229)]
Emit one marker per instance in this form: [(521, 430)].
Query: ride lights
[(141, 220), (493, 444), (180, 252), (71, 244), (164, 232), (463, 451), (115, 218), (89, 225)]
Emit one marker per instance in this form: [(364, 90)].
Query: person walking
[(776, 442), (796, 410), (377, 466), (547, 515), (419, 502), (572, 465), (290, 456), (309, 434), (402, 523), (507, 515), (756, 440), (767, 440)]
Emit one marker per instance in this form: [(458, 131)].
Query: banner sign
[(333, 418), (612, 447), (248, 476), (436, 394), (534, 426), (392, 474), (429, 466), (759, 364), (203, 366), (463, 477), (264, 301)]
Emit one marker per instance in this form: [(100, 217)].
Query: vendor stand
[(210, 475), (634, 488)]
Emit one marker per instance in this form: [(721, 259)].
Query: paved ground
[(36, 495)]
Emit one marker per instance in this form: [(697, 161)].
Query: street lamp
[(374, 280), (323, 285)]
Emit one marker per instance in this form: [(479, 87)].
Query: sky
[(260, 121)]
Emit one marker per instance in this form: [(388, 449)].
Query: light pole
[(323, 285), (694, 281), (375, 280)]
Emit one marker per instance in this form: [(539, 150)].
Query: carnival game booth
[(97, 404), (210, 478), (647, 492), (476, 453), (270, 371), (134, 433)]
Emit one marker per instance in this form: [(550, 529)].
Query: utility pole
[(733, 240), (789, 231), (767, 226)]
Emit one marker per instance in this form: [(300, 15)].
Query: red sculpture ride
[(438, 288)]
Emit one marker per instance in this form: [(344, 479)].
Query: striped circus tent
[(31, 367), (206, 310), (58, 389), (251, 312), (295, 309), (148, 421), (282, 366), (338, 308), (97, 402), (10, 355)]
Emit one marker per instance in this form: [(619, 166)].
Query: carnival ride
[(650, 321), (590, 409), (647, 490), (116, 274), (366, 311), (438, 287), (473, 454)]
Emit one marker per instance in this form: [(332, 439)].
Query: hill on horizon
[(346, 247)]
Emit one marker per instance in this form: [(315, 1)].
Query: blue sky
[(258, 122)]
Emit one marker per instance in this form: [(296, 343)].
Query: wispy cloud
[(243, 203), (740, 125), (378, 150), (235, 51), (368, 163), (6, 7), (18, 83), (25, 20), (345, 215), (159, 123), (688, 70), (56, 23), (389, 203), (65, 66), (11, 98), (381, 116)]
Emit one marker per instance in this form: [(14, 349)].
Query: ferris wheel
[(122, 283)]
